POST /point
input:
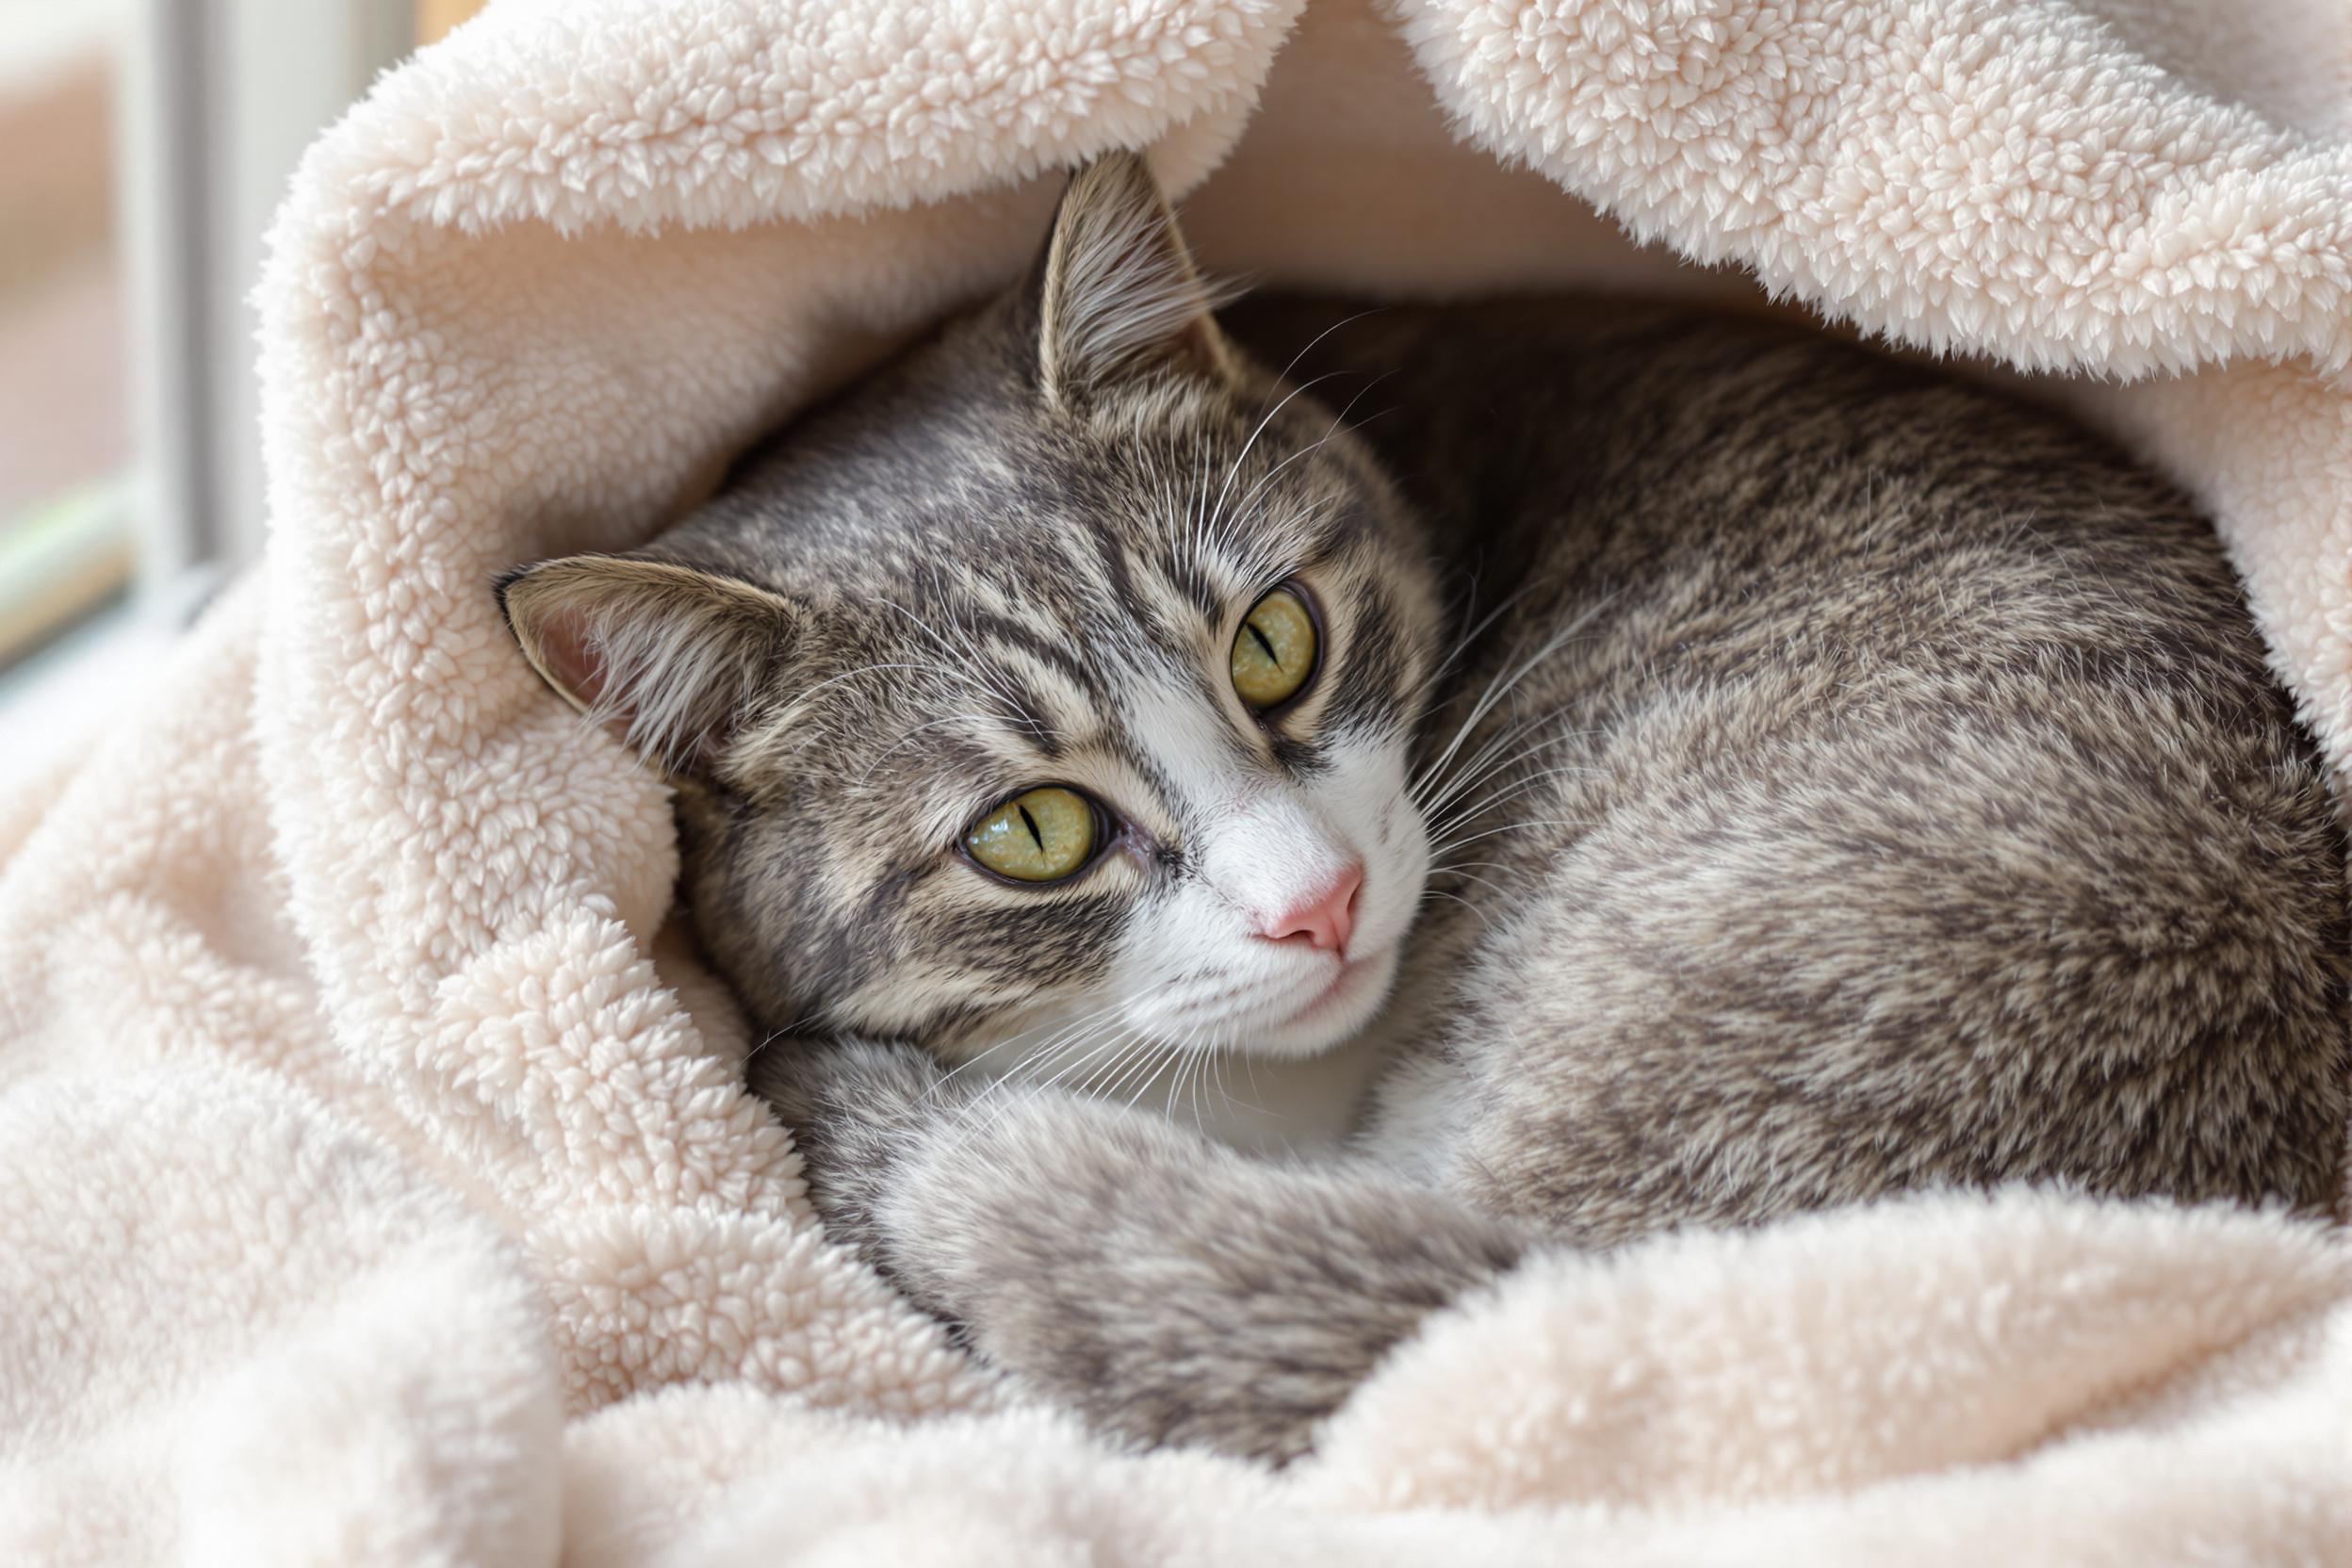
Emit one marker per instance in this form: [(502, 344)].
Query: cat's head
[(1059, 684)]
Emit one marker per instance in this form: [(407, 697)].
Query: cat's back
[(1900, 795)]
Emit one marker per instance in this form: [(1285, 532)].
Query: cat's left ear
[(1116, 294), (669, 657)]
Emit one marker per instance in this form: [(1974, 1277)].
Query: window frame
[(220, 99)]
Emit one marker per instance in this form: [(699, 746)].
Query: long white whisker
[(1108, 1051), (1073, 1037), (1234, 469), (1503, 794), (1508, 679), (1483, 881), (960, 677), (1512, 827), (1243, 507), (1055, 1034), (1143, 1064), (1491, 756), (983, 669), (1316, 339), (901, 742), (1440, 892)]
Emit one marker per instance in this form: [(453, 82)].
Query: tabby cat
[(1644, 769)]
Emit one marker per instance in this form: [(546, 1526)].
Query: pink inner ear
[(565, 644)]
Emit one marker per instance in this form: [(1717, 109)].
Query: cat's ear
[(1116, 292), (670, 658)]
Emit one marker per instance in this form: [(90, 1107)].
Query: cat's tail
[(1167, 1288)]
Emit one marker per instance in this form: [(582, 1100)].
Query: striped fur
[(1021, 557), (1824, 780)]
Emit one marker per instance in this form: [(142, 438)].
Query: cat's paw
[(856, 1109)]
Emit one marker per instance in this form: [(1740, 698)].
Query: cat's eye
[(1274, 652), (1042, 835)]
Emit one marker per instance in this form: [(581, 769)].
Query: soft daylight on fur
[(1739, 774)]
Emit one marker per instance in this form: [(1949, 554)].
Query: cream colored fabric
[(375, 1186)]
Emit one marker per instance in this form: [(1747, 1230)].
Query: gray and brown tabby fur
[(1844, 781)]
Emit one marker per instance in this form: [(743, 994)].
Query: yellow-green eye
[(1274, 650), (1042, 836)]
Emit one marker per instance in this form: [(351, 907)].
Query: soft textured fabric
[(376, 1185)]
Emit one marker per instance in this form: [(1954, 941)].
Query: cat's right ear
[(1116, 294), (670, 658)]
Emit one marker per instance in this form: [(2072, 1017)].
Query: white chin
[(1327, 1022)]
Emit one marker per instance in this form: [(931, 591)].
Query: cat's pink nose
[(1325, 919)]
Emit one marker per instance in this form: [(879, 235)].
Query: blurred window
[(65, 396), (144, 145)]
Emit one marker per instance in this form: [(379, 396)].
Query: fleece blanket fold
[(376, 1184)]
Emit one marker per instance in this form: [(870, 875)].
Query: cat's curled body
[(1908, 804), (1847, 781)]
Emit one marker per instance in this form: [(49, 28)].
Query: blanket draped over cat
[(377, 1184)]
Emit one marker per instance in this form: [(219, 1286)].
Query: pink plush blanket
[(375, 1183)]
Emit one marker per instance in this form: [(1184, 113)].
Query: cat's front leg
[(1167, 1288), (856, 1109)]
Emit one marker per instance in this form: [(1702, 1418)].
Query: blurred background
[(144, 145)]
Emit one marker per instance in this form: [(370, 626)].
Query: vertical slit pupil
[(1031, 823)]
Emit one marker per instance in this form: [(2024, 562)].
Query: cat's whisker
[(984, 669), (1501, 784), (1267, 478), (1217, 522), (959, 677), (1196, 508), (1316, 342), (1490, 758), (1175, 1065), (1187, 1090), (1144, 1060), (774, 1034), (1223, 1059), (1110, 1046), (1114, 1041), (1264, 565), (1502, 795), (1462, 645), (1508, 679), (1234, 470), (1072, 1035), (1207, 1081), (1110, 1059), (1153, 1057), (1500, 891), (1481, 791), (1484, 919), (1250, 1074), (1055, 1034), (1513, 827), (1454, 831), (1206, 1055), (1339, 421), (1085, 1045), (1154, 1063), (1202, 1062), (1187, 1062), (895, 746)]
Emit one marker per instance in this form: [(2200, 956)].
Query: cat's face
[(1057, 692)]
